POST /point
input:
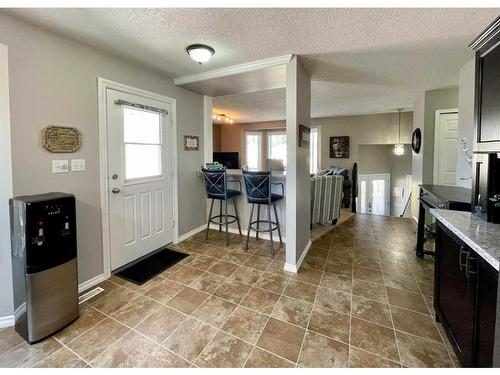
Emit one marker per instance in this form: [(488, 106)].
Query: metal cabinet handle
[(462, 251), (468, 260), (115, 190)]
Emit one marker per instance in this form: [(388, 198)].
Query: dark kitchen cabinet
[(465, 298)]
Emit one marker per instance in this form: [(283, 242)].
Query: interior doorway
[(374, 194), (445, 147)]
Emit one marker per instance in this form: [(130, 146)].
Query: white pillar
[(207, 129), (298, 111)]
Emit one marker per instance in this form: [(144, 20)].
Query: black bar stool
[(258, 187), (216, 185)]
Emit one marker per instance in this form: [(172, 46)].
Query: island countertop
[(481, 236)]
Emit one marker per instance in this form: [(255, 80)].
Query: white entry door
[(139, 176), (374, 194), (445, 148)]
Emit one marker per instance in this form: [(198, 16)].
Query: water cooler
[(44, 268)]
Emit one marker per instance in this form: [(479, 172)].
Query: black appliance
[(44, 266), (486, 177), (230, 160), (442, 197)]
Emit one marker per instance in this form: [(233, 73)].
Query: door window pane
[(363, 196), (313, 151), (142, 161), (141, 126), (277, 147), (253, 146), (378, 197)]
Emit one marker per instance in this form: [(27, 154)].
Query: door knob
[(115, 190)]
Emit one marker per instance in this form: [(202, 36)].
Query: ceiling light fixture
[(200, 52), (399, 148), (223, 118)]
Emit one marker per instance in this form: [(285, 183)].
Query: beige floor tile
[(236, 257), (159, 325), (89, 317), (62, 358), (185, 275), (301, 291), (26, 355), (334, 300), (97, 339), (258, 262), (405, 282), (292, 311), (282, 339), (318, 252), (330, 323), (136, 311), (371, 310), (337, 282), (187, 300), (422, 353), (162, 358), (214, 311), (262, 359), (313, 263), (9, 339), (427, 289), (374, 338), (407, 300), (369, 275), (203, 262), (129, 351), (232, 290), (190, 338), (164, 291), (245, 324), (339, 268), (260, 300), (207, 282), (369, 290), (415, 323), (114, 300), (224, 351), (308, 275), (361, 359), (320, 351), (247, 275), (224, 269), (272, 283)]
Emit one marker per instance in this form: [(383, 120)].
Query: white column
[(298, 111), (6, 303), (207, 129)]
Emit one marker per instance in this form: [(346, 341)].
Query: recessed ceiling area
[(360, 60)]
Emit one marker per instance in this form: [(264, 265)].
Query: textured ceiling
[(361, 60)]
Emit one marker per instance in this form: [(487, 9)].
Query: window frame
[(270, 133), (316, 129)]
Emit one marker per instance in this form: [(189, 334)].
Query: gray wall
[(53, 81), (465, 121), (298, 111), (6, 304)]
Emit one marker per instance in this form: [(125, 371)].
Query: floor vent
[(91, 293)]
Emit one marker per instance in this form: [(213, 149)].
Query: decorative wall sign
[(339, 147), (191, 143), (416, 140), (61, 139), (304, 135)]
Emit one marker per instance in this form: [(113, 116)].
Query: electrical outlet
[(60, 166), (77, 165)]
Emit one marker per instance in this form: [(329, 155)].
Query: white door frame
[(102, 86), (439, 112)]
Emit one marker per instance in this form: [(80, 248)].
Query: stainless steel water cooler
[(44, 268)]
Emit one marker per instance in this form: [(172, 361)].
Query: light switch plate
[(77, 165), (60, 166)]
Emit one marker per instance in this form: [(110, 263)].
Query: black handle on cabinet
[(468, 261)]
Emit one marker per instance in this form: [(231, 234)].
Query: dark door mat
[(147, 268)]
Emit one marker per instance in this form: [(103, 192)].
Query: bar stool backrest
[(215, 182), (258, 186)]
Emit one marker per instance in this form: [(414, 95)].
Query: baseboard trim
[(6, 321), (191, 233), (91, 283), (295, 267), (414, 218), (264, 236)]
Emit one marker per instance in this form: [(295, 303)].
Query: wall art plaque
[(61, 139)]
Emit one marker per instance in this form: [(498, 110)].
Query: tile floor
[(361, 299)]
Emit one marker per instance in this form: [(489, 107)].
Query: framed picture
[(191, 143), (304, 135), (61, 139), (339, 147)]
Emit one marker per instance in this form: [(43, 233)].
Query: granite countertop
[(481, 236)]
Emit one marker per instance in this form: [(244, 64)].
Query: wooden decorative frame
[(61, 139), (191, 143), (304, 135), (339, 147)]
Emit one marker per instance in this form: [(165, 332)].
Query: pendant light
[(399, 148)]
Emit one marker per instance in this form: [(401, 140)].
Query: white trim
[(264, 236), (437, 115), (208, 145), (191, 233), (7, 321), (102, 86), (295, 267), (232, 70), (91, 283)]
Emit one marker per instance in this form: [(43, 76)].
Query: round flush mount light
[(200, 52)]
